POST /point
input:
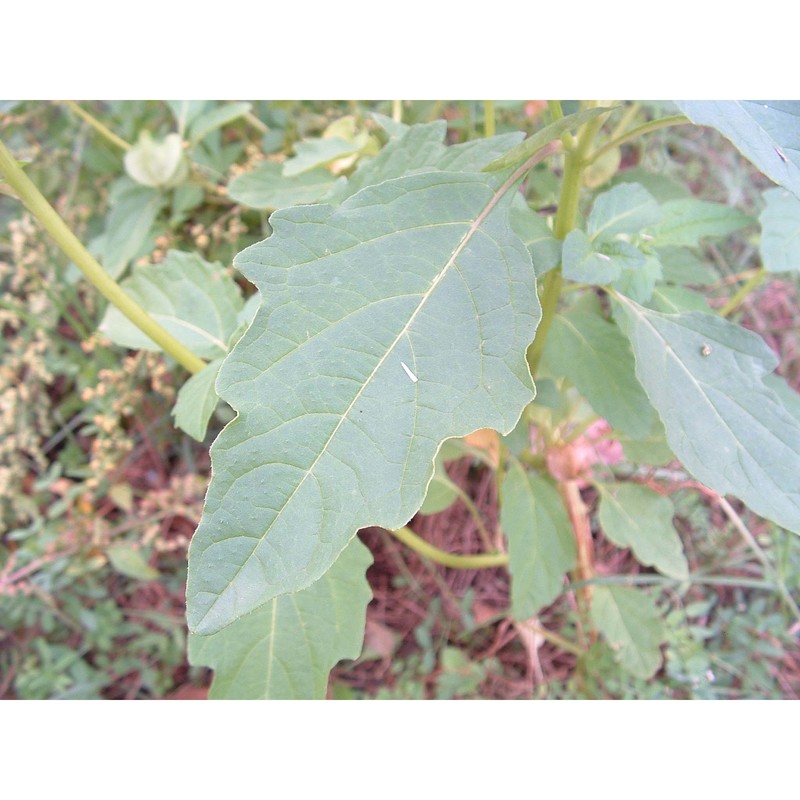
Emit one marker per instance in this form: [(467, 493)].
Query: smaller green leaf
[(196, 401), (442, 492), (216, 118), (544, 248), (185, 198), (686, 222), (597, 263), (705, 377), (596, 357), (192, 298), (661, 187), (555, 400), (459, 677), (286, 648), (134, 209), (187, 111), (311, 153), (683, 267), (631, 624), (392, 127), (625, 209), (639, 278), (267, 187), (780, 232), (636, 517), (534, 143), (541, 548), (129, 561)]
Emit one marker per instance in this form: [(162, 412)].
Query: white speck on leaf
[(410, 374)]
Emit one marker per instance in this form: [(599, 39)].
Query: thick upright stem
[(574, 163), (488, 118)]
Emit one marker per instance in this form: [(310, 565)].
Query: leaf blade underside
[(390, 323), (705, 377), (285, 649)]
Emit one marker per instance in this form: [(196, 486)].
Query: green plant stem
[(486, 539), (397, 110), (625, 120), (744, 531), (555, 639), (95, 274), (574, 164), (647, 127), (556, 112), (566, 216), (662, 580), (751, 284), (452, 560), (97, 125), (488, 118), (254, 122), (551, 293)]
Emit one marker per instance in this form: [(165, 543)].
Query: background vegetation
[(100, 492)]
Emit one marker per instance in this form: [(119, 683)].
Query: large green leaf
[(674, 299), (649, 449), (541, 547), (766, 131), (788, 396), (196, 401), (389, 324), (596, 357), (418, 147), (286, 648), (191, 298), (780, 232), (631, 624), (705, 377), (421, 148), (636, 517)]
